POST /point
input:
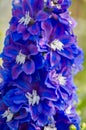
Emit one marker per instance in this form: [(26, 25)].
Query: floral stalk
[(40, 58)]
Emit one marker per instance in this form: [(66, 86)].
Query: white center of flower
[(20, 59), (55, 3), (56, 44), (7, 114), (61, 79), (1, 80), (33, 98), (50, 128), (25, 20), (58, 6), (68, 110)]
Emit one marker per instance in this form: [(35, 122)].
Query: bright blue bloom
[(40, 58)]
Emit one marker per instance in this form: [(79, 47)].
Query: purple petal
[(10, 51), (26, 35), (33, 127), (41, 16), (21, 116), (43, 120), (67, 40), (29, 67), (15, 108), (13, 124), (17, 12), (54, 59), (67, 53), (26, 6), (33, 50), (21, 28), (34, 29), (37, 5), (48, 94), (47, 27), (42, 45), (34, 112), (13, 27), (16, 71)]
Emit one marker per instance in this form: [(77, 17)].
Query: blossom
[(12, 118), (68, 19), (62, 121), (27, 23), (64, 46), (16, 99), (21, 58), (56, 44), (39, 99), (40, 58), (63, 84), (58, 6)]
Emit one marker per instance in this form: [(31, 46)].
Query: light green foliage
[(83, 126), (72, 127)]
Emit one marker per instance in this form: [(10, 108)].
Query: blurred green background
[(78, 10)]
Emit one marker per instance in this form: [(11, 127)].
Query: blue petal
[(38, 60), (16, 36), (43, 120)]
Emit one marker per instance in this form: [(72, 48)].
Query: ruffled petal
[(16, 71), (48, 94), (34, 112), (34, 29), (26, 6), (33, 50), (43, 120), (21, 28), (17, 12), (37, 5), (13, 124), (16, 36), (38, 60), (10, 51), (29, 67), (42, 16), (26, 35), (47, 27), (54, 59)]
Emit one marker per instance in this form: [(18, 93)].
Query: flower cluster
[(40, 58)]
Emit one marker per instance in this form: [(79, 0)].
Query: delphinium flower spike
[(40, 58)]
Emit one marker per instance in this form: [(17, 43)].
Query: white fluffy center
[(33, 98), (57, 45), (7, 114), (20, 59), (50, 128), (26, 19)]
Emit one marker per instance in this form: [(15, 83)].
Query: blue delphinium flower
[(40, 58), (39, 99), (20, 56), (26, 18)]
